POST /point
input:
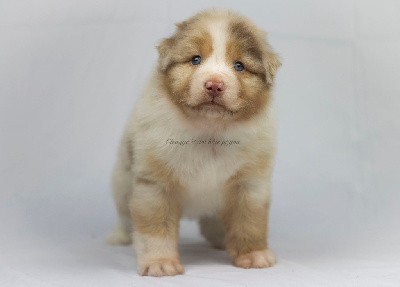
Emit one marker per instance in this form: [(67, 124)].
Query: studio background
[(70, 72)]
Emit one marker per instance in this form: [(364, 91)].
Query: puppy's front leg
[(156, 213), (246, 219)]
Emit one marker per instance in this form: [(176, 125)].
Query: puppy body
[(200, 143)]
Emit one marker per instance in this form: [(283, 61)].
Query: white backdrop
[(70, 72)]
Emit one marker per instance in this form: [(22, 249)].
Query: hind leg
[(122, 189), (213, 229)]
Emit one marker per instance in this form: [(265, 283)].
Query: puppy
[(200, 143)]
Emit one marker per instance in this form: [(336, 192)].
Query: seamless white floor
[(70, 72)]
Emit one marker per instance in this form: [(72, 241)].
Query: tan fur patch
[(245, 217), (246, 223), (259, 166), (161, 172), (250, 44), (157, 213), (246, 44), (176, 54), (180, 48)]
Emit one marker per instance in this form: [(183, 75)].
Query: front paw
[(256, 259), (161, 267)]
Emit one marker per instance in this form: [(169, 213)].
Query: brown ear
[(164, 51), (271, 64), (166, 47), (182, 25)]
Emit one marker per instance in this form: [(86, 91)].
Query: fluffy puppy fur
[(200, 143)]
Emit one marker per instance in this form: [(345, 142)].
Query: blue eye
[(196, 60), (238, 66)]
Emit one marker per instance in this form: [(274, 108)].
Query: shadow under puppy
[(200, 143)]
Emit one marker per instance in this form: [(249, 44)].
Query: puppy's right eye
[(196, 60)]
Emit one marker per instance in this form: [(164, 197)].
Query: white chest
[(203, 171)]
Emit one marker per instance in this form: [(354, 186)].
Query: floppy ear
[(271, 63), (164, 53), (166, 46)]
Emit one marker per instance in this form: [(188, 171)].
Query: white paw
[(256, 259), (119, 237), (161, 267)]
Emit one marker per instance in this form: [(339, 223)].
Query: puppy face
[(218, 66)]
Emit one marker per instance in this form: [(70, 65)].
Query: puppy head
[(219, 66)]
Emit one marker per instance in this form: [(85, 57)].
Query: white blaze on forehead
[(218, 32), (216, 65)]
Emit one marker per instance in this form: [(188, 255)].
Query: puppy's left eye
[(238, 66)]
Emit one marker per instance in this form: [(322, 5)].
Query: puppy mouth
[(212, 106)]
